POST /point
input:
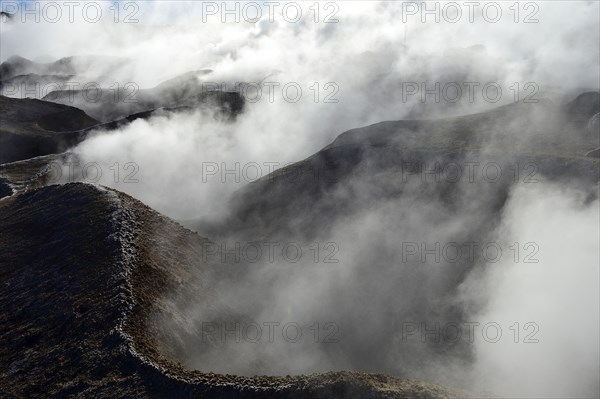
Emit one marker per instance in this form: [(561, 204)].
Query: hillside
[(68, 66), (32, 85), (185, 90), (30, 128), (84, 270), (368, 165)]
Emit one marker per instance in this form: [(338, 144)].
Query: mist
[(557, 296)]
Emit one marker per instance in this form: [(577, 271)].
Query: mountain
[(377, 188), (14, 66), (186, 90), (20, 78), (85, 270), (369, 165), (34, 128), (132, 288), (32, 85), (31, 128), (67, 66)]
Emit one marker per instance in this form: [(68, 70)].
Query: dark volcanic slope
[(368, 192), (16, 65), (83, 272), (35, 128), (20, 77), (183, 91), (32, 84), (366, 165), (32, 173), (29, 116), (30, 128)]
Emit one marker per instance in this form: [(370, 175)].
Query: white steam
[(557, 354)]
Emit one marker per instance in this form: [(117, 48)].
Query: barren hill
[(182, 91), (30, 128), (84, 269), (522, 142)]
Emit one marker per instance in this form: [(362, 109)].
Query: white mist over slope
[(544, 299)]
